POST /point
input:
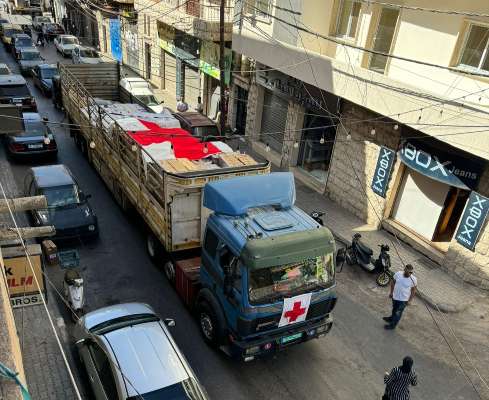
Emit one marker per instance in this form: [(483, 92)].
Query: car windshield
[(14, 90), (48, 73), (30, 56), (35, 127), (12, 31), (273, 283), (88, 53), (61, 196), (23, 42), (70, 40), (187, 389), (4, 70), (43, 19), (203, 131), (148, 99)]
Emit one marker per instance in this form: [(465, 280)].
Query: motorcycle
[(73, 292), (359, 253)]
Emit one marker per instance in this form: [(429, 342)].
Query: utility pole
[(222, 122)]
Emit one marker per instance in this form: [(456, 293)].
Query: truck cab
[(267, 273)]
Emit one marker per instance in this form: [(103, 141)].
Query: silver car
[(29, 57), (129, 354)]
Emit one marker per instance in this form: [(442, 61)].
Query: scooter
[(73, 292), (359, 253)]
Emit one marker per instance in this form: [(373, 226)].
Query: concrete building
[(314, 93)]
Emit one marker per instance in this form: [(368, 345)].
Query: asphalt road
[(348, 364)]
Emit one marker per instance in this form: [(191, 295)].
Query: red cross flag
[(295, 309)]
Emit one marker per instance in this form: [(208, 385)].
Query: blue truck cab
[(267, 274)]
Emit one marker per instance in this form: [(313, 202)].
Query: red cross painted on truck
[(296, 312)]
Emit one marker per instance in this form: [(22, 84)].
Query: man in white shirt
[(403, 289)]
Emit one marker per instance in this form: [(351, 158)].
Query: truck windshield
[(270, 284)]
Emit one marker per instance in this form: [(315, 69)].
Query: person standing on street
[(398, 381), (402, 291)]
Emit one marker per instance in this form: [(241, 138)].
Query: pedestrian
[(398, 381), (200, 107), (181, 105), (402, 291), (40, 38)]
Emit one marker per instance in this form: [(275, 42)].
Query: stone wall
[(472, 266), (354, 161)]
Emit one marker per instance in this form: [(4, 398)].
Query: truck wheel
[(169, 270), (211, 326), (152, 246)]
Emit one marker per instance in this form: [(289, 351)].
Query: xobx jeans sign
[(473, 218), (383, 171)]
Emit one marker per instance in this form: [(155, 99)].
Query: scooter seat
[(365, 249), (71, 275)]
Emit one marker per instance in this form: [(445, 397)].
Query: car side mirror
[(169, 322), (83, 342)]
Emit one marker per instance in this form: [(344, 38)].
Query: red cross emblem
[(295, 313)]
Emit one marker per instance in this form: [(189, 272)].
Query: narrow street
[(348, 364)]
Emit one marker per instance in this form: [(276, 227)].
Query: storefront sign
[(302, 93), (473, 218), (115, 38), (458, 172), (383, 171), (27, 300), (209, 60)]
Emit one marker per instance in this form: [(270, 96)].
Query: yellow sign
[(20, 278)]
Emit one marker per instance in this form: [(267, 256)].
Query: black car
[(20, 40), (14, 90), (33, 140), (51, 30), (68, 208), (42, 76)]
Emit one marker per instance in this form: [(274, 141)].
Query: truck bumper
[(249, 350)]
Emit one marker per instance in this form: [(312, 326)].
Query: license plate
[(290, 338), (34, 146), (17, 101)]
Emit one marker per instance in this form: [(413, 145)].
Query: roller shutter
[(170, 74), (274, 118), (192, 86)]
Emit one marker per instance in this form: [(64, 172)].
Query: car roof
[(108, 313), (52, 175), (147, 357), (195, 118), (13, 79), (45, 66), (31, 116), (28, 50)]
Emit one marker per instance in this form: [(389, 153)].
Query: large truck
[(257, 270)]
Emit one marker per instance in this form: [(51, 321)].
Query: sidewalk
[(435, 286)]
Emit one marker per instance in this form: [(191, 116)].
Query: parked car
[(52, 30), (33, 140), (38, 21), (4, 69), (85, 55), (198, 124), (68, 208), (42, 77), (19, 41), (65, 44), (29, 57), (140, 90), (14, 90), (8, 31), (129, 353)]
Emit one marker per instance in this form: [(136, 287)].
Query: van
[(139, 91)]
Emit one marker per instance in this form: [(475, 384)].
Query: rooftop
[(52, 175)]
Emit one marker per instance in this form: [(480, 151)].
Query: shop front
[(433, 190)]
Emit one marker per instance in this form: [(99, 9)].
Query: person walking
[(399, 380), (402, 291)]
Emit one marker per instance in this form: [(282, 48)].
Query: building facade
[(323, 100)]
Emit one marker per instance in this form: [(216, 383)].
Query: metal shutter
[(170, 74), (192, 86), (274, 118)]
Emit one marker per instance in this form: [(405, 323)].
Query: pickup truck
[(257, 271)]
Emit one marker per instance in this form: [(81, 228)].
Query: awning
[(446, 168)]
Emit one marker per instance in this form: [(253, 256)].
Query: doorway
[(383, 37), (147, 57), (241, 106)]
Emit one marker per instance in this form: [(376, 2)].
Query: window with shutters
[(475, 50), (347, 19), (383, 39)]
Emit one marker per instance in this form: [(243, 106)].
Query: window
[(383, 39), (475, 51), (211, 241), (104, 371), (258, 7), (147, 25), (346, 25)]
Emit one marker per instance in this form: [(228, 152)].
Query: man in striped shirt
[(398, 381)]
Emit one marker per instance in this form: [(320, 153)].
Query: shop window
[(475, 51), (314, 157), (383, 38), (349, 12)]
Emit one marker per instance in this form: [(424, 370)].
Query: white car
[(85, 55), (140, 92), (39, 20), (65, 44)]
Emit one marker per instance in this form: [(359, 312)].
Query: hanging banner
[(449, 169), (115, 38), (383, 169), (472, 220)]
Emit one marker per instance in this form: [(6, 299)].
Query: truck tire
[(211, 323), (153, 247), (169, 270)]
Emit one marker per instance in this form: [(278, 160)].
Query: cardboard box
[(178, 165), (233, 160), (50, 252)]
